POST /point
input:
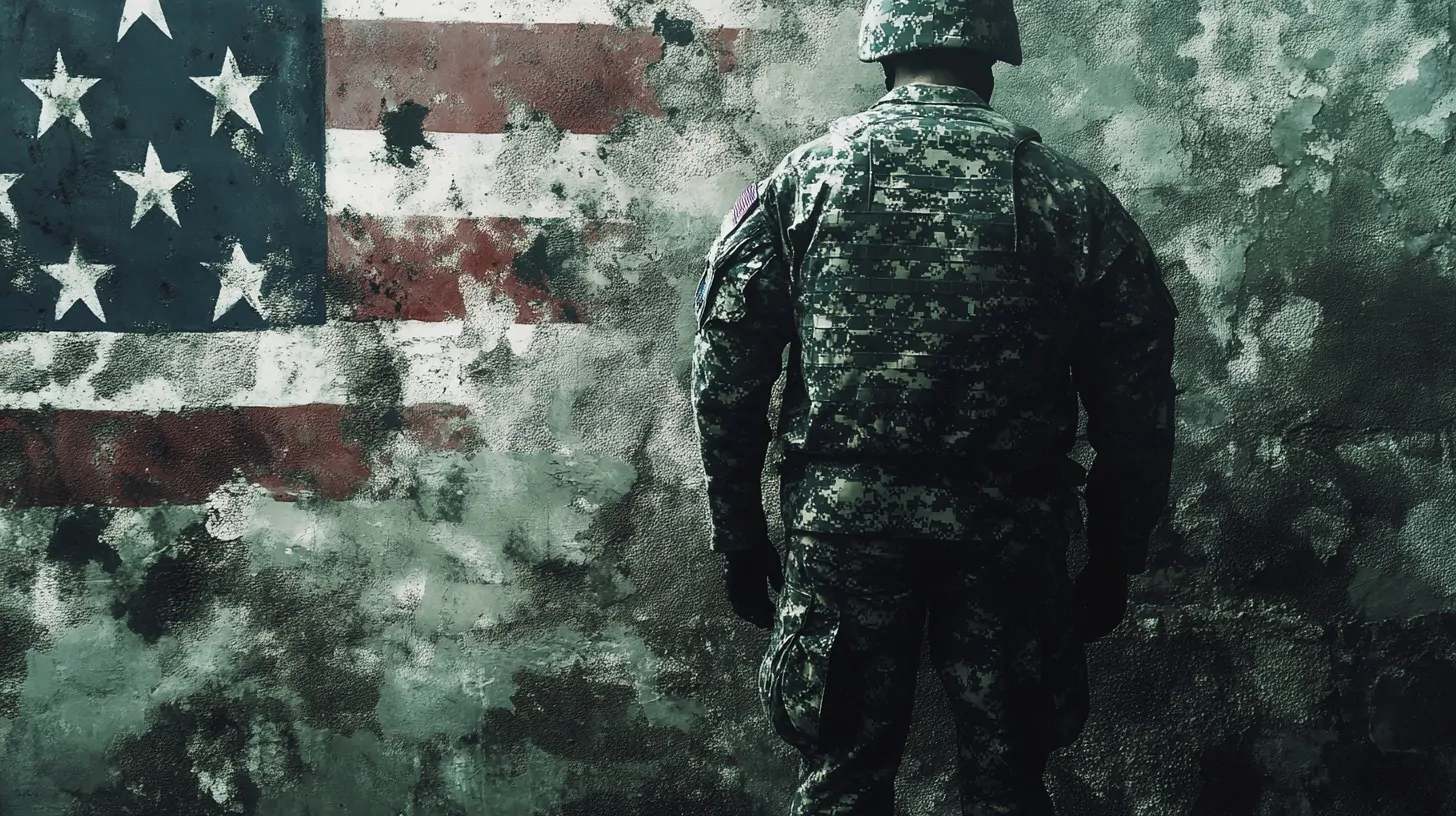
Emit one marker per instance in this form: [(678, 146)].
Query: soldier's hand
[(1101, 597), (748, 574)]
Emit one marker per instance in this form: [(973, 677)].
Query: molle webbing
[(914, 284)]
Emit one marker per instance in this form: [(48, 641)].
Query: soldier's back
[(937, 248), (1065, 213)]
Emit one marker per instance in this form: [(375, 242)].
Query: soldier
[(946, 287)]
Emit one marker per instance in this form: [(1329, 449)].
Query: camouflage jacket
[(1101, 321)]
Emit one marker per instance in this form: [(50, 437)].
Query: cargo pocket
[(794, 673), (722, 297), (723, 289)]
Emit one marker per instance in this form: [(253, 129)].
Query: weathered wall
[(506, 606)]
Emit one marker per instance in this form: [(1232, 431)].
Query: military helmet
[(891, 27)]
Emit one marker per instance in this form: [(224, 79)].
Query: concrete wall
[(518, 615)]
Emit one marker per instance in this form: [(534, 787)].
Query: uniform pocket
[(722, 295), (795, 670), (722, 292)]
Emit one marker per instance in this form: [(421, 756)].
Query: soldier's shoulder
[(1022, 134), (1046, 165), (744, 247), (744, 219), (840, 142), (1048, 175), (748, 218)]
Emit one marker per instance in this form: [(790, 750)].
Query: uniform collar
[(924, 93)]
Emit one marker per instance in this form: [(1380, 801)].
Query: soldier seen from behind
[(947, 286)]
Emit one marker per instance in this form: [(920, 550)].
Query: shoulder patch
[(745, 204), (704, 285)]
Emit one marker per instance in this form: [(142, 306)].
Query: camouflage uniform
[(946, 287)]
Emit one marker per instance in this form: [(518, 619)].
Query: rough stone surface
[(529, 622)]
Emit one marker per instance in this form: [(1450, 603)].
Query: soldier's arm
[(745, 319), (1122, 367)]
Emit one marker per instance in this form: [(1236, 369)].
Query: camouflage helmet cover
[(892, 27)]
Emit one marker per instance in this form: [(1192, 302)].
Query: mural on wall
[(346, 460)]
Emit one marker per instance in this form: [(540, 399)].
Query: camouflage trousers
[(838, 681)]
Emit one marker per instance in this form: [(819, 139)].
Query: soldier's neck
[(983, 84)]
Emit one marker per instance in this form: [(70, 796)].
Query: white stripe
[(278, 367), (473, 175), (710, 13)]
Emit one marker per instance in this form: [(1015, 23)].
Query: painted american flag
[(210, 210)]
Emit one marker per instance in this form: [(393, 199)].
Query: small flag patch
[(745, 204)]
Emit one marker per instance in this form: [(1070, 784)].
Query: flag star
[(153, 187), (60, 96), (7, 207), (241, 280), (78, 279), (137, 9), (233, 92)]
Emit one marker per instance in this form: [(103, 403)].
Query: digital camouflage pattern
[(838, 681), (891, 27), (946, 287), (734, 369), (1088, 298)]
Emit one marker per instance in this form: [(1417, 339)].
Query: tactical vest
[(918, 320)]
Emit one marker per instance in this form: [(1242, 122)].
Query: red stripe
[(125, 459), (597, 231), (586, 78), (410, 268), (724, 45)]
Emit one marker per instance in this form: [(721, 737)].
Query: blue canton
[(161, 163)]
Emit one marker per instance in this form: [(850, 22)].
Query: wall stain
[(553, 263), (19, 633), (376, 392), (672, 31), (179, 587), (185, 759), (77, 540), (404, 132)]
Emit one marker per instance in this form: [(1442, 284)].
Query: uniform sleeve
[(745, 319), (1122, 368)]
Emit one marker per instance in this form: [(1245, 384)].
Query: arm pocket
[(722, 294)]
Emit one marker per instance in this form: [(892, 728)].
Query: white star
[(78, 283), (241, 280), (232, 91), (61, 96), (153, 187), (137, 9), (7, 208)]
